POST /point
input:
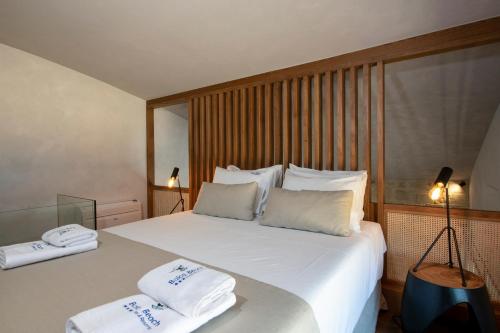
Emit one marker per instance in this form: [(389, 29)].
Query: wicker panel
[(164, 201), (409, 235)]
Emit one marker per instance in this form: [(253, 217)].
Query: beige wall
[(64, 132)]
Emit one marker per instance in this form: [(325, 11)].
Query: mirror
[(171, 143), (444, 110)]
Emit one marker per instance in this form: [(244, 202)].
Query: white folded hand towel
[(69, 235), (189, 288), (140, 313), (27, 253)]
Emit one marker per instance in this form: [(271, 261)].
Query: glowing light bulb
[(171, 182), (436, 193)]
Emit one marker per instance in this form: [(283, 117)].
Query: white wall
[(485, 179), (171, 144), (64, 132)]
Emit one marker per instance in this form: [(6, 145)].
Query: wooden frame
[(468, 35)]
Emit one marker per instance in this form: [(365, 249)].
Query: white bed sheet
[(335, 275)]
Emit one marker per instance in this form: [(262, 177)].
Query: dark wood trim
[(463, 36), (150, 157), (380, 145), (173, 189), (438, 211), (367, 101)]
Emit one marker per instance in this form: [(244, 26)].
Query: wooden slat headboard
[(295, 119)]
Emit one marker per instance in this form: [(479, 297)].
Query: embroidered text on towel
[(178, 279)]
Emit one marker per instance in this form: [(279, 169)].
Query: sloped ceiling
[(438, 111), (159, 47)]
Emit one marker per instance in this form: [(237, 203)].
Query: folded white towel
[(188, 288), (69, 235), (140, 313), (27, 253)]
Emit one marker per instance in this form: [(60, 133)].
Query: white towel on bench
[(189, 288), (69, 235), (27, 253), (140, 313)]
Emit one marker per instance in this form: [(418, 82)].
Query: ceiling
[(160, 47)]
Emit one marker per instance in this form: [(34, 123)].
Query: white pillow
[(263, 180), (328, 173), (297, 182), (277, 169)]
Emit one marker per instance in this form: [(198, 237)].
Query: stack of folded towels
[(178, 297), (58, 242)]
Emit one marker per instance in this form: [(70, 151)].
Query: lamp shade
[(173, 177), (444, 176)]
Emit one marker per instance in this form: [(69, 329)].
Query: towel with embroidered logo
[(187, 287), (69, 235)]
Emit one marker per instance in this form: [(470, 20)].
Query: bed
[(302, 277)]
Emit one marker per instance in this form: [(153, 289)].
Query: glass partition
[(25, 225), (444, 110), (171, 143)]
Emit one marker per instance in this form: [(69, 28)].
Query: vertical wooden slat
[(287, 124), (296, 116), (380, 146), (278, 123), (196, 139), (150, 153), (236, 128), (268, 120), (368, 135), (191, 157), (251, 128), (329, 120), (353, 110), (306, 122), (229, 128), (203, 140), (260, 127), (318, 123), (208, 138), (215, 134), (244, 128), (340, 120), (222, 130)]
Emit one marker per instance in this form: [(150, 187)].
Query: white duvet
[(335, 275)]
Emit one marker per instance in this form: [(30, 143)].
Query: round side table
[(435, 288)]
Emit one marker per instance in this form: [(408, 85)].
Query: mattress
[(334, 275)]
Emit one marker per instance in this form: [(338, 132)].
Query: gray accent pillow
[(327, 212), (236, 201)]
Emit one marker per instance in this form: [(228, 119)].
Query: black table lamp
[(440, 186), (171, 183)]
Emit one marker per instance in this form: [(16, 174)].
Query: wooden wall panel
[(215, 134), (191, 144), (306, 122), (296, 119), (222, 130), (251, 129), (329, 121), (196, 139), (380, 144), (244, 128), (287, 124), (318, 123), (260, 127), (367, 99), (353, 111), (268, 125), (236, 128), (340, 120), (208, 138), (229, 128), (278, 123)]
